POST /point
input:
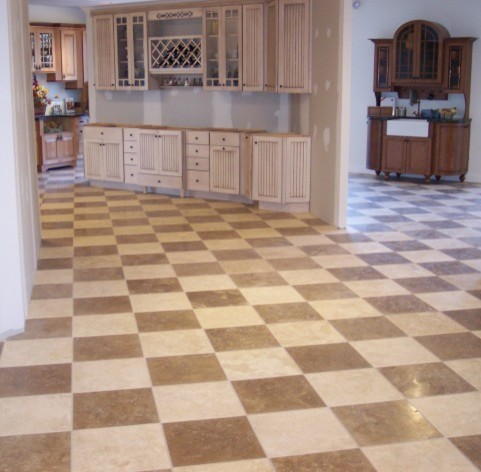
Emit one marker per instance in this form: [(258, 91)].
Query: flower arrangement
[(40, 99)]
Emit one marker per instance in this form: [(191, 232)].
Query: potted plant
[(40, 99)]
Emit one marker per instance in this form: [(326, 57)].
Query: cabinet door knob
[(197, 180), (197, 151)]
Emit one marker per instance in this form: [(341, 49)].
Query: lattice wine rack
[(176, 54)]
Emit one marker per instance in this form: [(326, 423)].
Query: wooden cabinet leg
[(378, 172), (462, 177), (438, 178), (398, 174), (386, 175), (427, 179)]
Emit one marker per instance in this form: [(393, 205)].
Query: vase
[(40, 109)]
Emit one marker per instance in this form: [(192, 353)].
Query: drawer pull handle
[(197, 180), (197, 151), (196, 163)]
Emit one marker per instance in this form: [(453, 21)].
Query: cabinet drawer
[(224, 139), (197, 137), (198, 180), (192, 150), (131, 146), (131, 159), (149, 180), (130, 174), (82, 120), (193, 163), (100, 132), (131, 134)]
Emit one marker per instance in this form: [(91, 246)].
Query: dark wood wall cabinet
[(422, 61)]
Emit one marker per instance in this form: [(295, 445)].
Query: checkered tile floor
[(170, 334)]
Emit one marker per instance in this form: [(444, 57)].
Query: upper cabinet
[(130, 51), (382, 65), (288, 38), (418, 52), (104, 50), (42, 47), (253, 48), (223, 48)]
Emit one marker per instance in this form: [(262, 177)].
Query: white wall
[(48, 14), (380, 19), (19, 214)]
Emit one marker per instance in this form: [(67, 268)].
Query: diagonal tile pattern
[(184, 335)]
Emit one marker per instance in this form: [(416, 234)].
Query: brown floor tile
[(426, 380), (122, 222), (91, 216), (35, 453), (324, 250), (349, 274), (327, 357), (347, 238), (470, 446), (182, 246), (144, 259), (235, 254), (210, 235), (287, 312), (352, 460), (204, 219), (293, 263), (106, 347), (186, 205), (475, 293), (297, 231), (470, 319), (58, 225), (240, 210), (461, 254), (100, 274), (385, 423), (85, 251), (452, 346), (263, 279), (166, 321), (399, 304), (216, 298), (162, 213), (382, 258), (277, 394), (80, 232), (246, 337), (45, 328), (125, 208), (410, 245), (146, 286), (173, 370), (51, 291), (426, 284), (114, 408), (447, 268), (35, 380), (93, 204), (57, 242), (361, 329), (248, 224), (275, 215), (327, 291), (203, 442), (182, 228), (101, 305), (201, 268), (53, 264), (268, 242), (136, 238)]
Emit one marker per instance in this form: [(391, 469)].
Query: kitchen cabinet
[(271, 27), (78, 130), (253, 48), (382, 65), (223, 48), (197, 156), (104, 52), (224, 174), (418, 52), (130, 40), (451, 149), (103, 153), (374, 145), (58, 150), (407, 155), (281, 170), (42, 49)]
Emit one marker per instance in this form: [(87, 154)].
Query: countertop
[(64, 115), (177, 128), (434, 120)]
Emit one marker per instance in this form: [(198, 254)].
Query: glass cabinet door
[(122, 50), (42, 47), (212, 48), (139, 79), (231, 17)]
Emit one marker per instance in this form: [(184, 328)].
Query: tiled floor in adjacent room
[(186, 335)]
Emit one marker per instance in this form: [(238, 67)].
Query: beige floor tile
[(421, 324), (337, 261), (438, 455), (304, 277), (305, 333), (53, 277), (131, 230), (248, 266), (403, 271), (36, 352), (300, 432), (343, 309), (200, 401), (282, 252), (102, 325), (464, 281), (139, 447), (190, 257), (35, 414), (265, 295), (351, 387), (452, 300), (464, 416), (309, 240), (160, 301), (57, 308), (94, 262), (365, 248), (177, 237), (258, 233), (106, 288), (88, 241), (144, 248), (229, 317), (209, 282), (469, 369), (255, 465), (116, 374), (257, 363), (148, 272), (418, 257), (372, 288), (394, 351), (175, 343)]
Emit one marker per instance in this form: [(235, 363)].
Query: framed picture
[(69, 106)]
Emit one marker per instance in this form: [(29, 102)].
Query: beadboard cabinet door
[(104, 51), (267, 169), (253, 49)]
